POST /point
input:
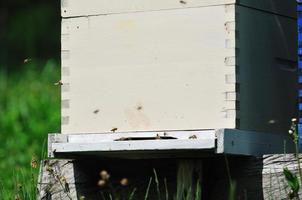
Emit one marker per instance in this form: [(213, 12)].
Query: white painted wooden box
[(149, 65)]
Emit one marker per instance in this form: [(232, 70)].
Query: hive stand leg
[(255, 178), (62, 179)]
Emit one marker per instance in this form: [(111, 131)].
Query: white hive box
[(150, 65)]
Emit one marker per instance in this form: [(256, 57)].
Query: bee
[(101, 183), (27, 60), (139, 107), (157, 137), (122, 139), (182, 2), (104, 175), (113, 129), (193, 137), (124, 182), (34, 163), (59, 83), (96, 111)]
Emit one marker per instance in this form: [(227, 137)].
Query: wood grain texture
[(62, 179), (72, 8), (255, 178), (274, 183), (145, 74)]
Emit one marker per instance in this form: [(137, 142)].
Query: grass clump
[(29, 109)]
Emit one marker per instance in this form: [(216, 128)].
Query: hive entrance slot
[(146, 138)]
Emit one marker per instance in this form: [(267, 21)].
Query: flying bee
[(58, 83), (96, 111), (27, 60), (182, 2)]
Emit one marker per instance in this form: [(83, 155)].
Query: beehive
[(148, 65)]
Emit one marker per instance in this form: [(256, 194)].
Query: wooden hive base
[(167, 144), (255, 178)]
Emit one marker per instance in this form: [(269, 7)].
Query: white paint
[(174, 69), (73, 8), (162, 70), (134, 146), (95, 138)]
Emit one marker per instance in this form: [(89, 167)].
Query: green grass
[(29, 110)]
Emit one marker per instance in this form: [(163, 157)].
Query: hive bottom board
[(143, 145)]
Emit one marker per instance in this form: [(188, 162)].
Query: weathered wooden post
[(176, 86)]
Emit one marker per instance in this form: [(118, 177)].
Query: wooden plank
[(62, 179), (275, 185), (118, 136), (72, 8), (52, 139), (238, 142), (135, 145), (132, 146), (267, 73), (171, 74)]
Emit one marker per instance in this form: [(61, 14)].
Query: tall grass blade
[(132, 194), (198, 191), (232, 191), (188, 194), (245, 195), (43, 150), (166, 189), (148, 188), (157, 184)]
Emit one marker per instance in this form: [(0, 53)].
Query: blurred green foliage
[(29, 101), (28, 29), (29, 109)]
